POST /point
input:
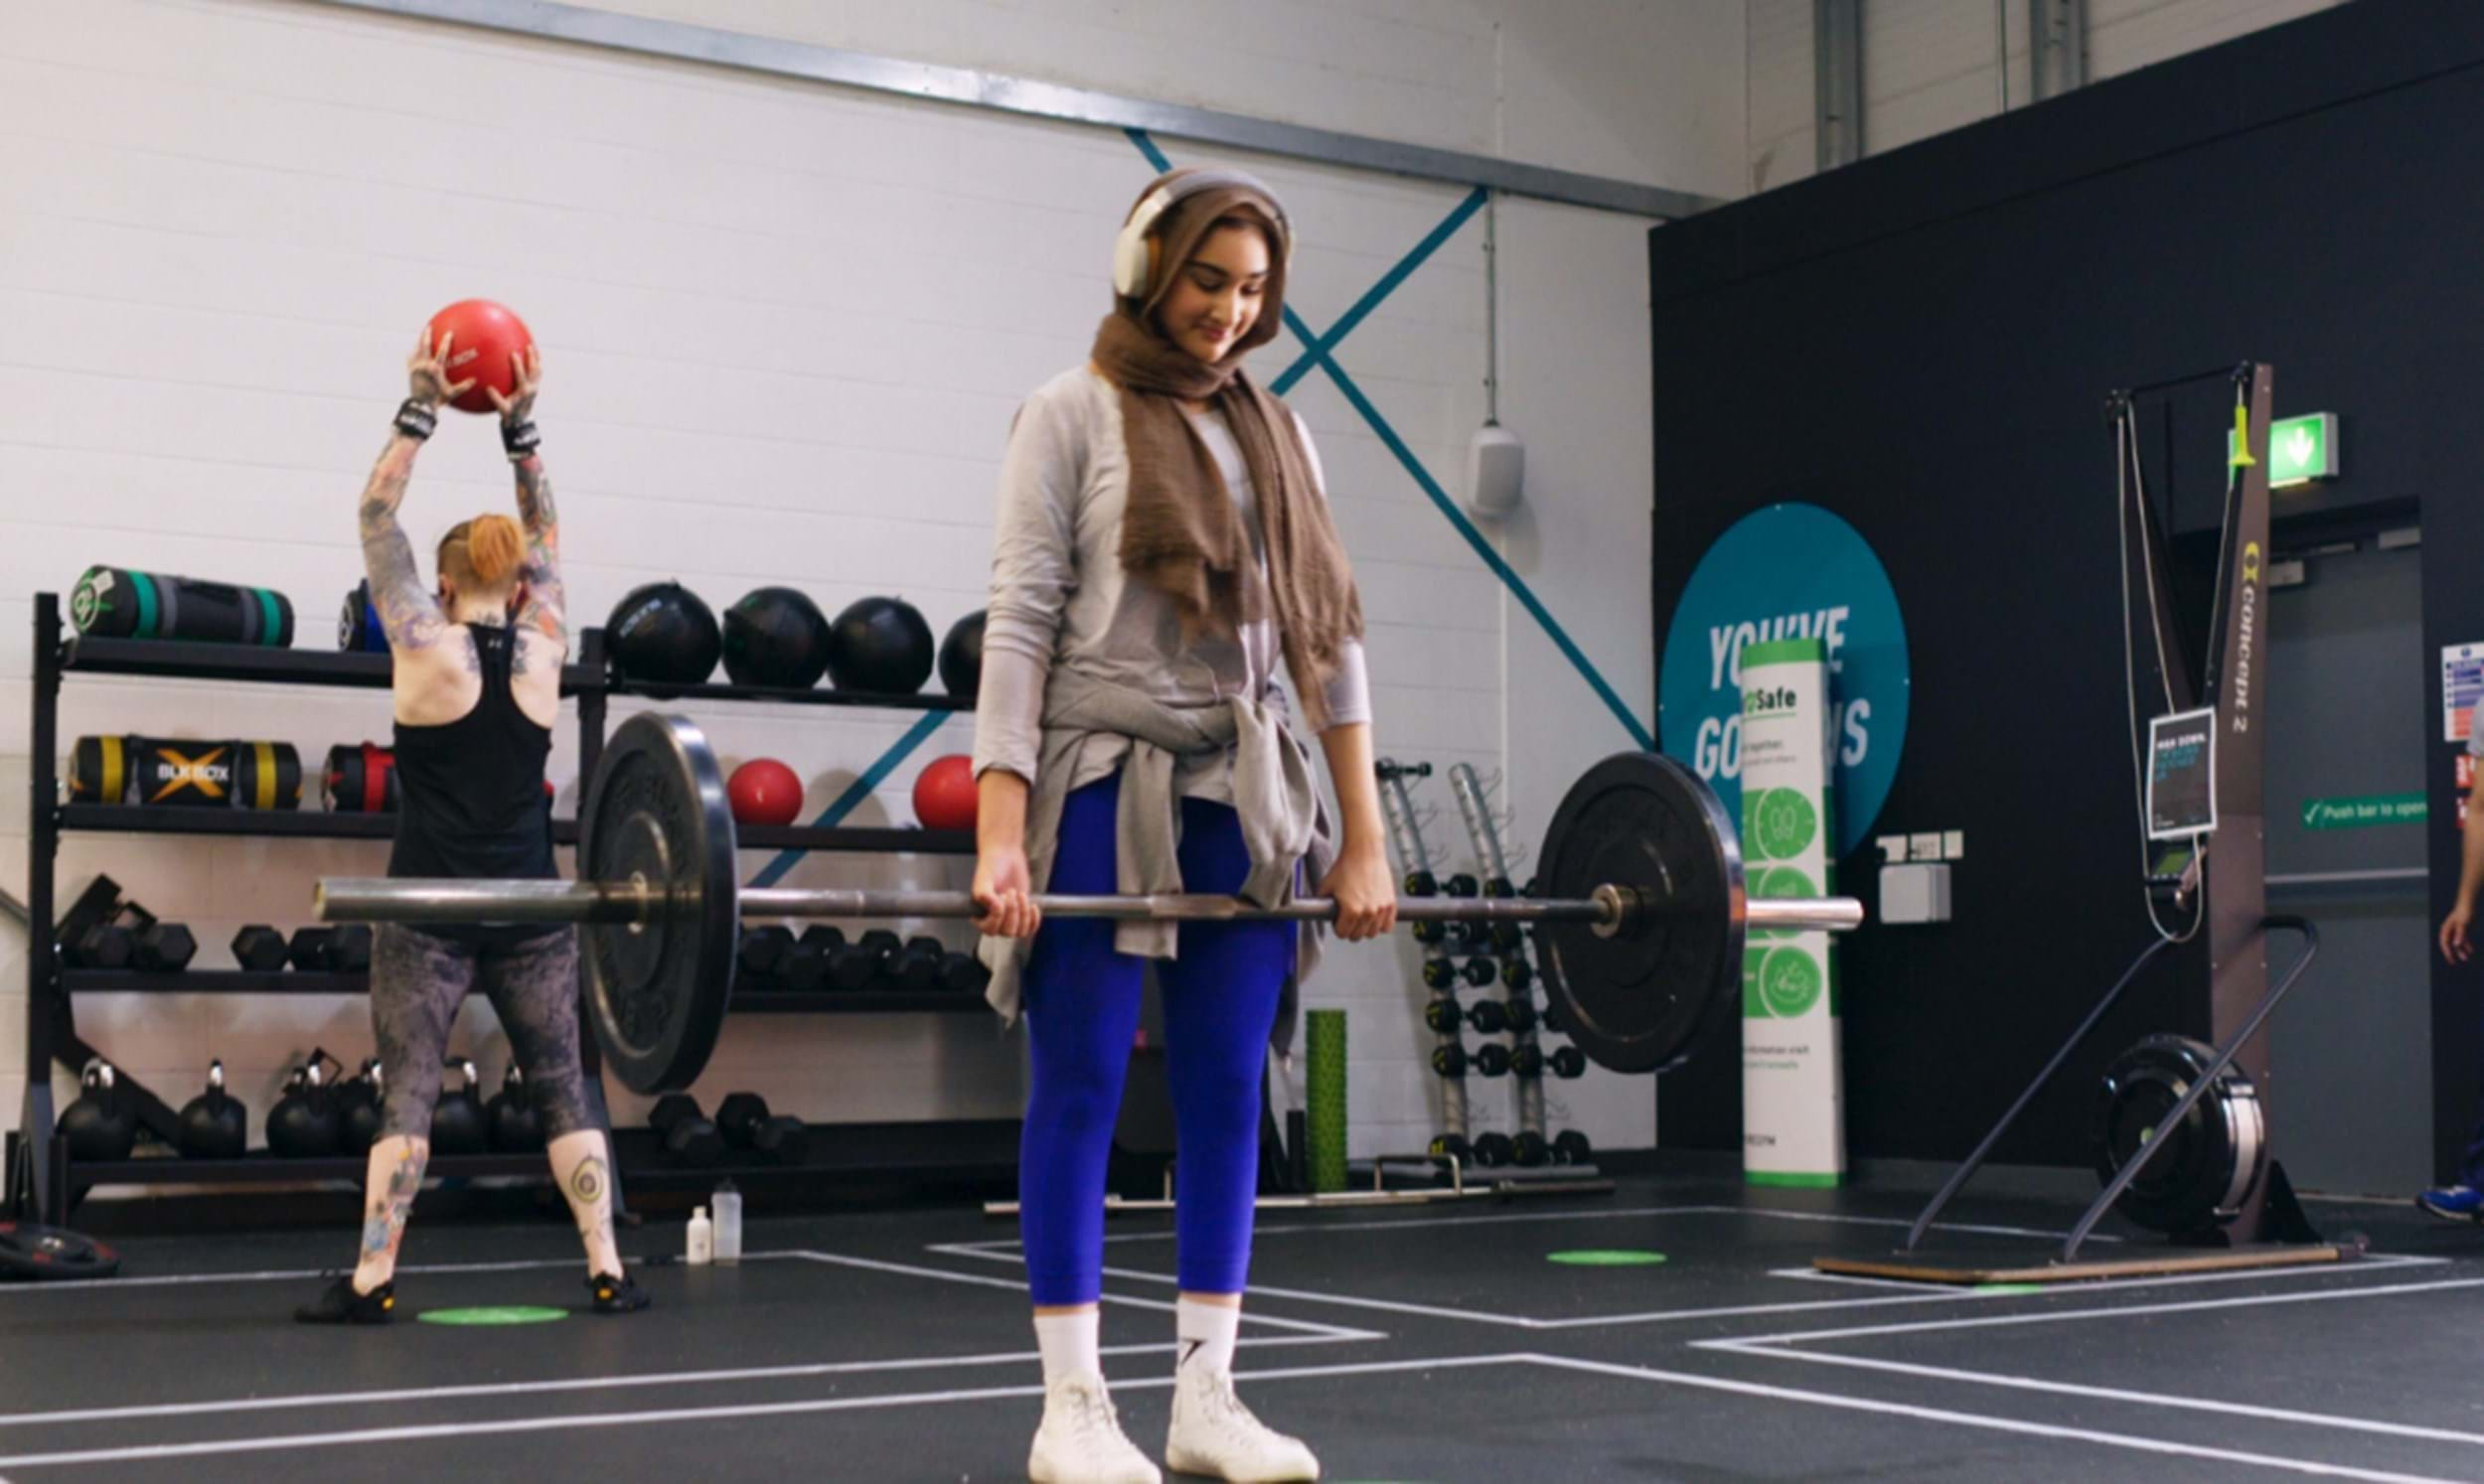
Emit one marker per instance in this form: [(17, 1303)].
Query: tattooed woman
[(476, 689)]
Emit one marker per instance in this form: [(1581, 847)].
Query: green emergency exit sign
[(2300, 449)]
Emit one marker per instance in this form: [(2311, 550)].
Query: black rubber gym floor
[(1436, 1343)]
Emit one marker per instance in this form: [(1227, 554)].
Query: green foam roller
[(1323, 1097)]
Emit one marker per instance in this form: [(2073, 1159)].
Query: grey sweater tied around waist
[(1276, 794)]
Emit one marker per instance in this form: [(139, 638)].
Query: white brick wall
[(786, 329), (1932, 65)]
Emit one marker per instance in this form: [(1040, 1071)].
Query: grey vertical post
[(1837, 79), (2057, 47)]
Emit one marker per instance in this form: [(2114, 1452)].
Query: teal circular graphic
[(1790, 982), (1791, 571), (1782, 825)]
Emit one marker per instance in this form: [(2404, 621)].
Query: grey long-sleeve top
[(1059, 596)]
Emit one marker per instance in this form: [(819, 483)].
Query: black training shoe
[(342, 1305), (617, 1295)]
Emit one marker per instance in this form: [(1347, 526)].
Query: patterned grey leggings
[(418, 982)]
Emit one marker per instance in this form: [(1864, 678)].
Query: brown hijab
[(1182, 532)]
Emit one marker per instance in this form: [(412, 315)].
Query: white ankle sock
[(1206, 1332), (1072, 1343)]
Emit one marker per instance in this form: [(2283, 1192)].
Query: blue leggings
[(1082, 1010)]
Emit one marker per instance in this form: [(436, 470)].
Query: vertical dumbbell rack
[(37, 1168)]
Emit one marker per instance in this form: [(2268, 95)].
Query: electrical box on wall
[(1914, 893)]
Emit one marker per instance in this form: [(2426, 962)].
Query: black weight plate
[(1635, 1001), (2208, 1159), (657, 990), (45, 1253)]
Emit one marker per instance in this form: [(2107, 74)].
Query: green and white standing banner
[(1794, 1094)]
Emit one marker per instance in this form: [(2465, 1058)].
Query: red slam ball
[(487, 335), (764, 791), (944, 792)]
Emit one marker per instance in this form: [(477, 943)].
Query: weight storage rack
[(38, 1164)]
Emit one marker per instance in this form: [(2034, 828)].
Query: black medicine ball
[(775, 636), (880, 645), (663, 632), (962, 657)]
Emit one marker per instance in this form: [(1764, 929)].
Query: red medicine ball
[(944, 792), (487, 335), (764, 791)]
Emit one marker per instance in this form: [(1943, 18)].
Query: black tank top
[(470, 796)]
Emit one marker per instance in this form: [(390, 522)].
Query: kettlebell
[(303, 1123), (214, 1125), (457, 1119), (516, 1126), (100, 1125), (358, 1107)]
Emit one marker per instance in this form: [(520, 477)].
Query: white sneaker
[(1213, 1434), (1081, 1442)]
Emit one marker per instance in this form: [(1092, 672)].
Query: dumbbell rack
[(37, 1165)]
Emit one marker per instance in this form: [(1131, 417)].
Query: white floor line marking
[(1821, 1217), (1978, 1419), (364, 1435), (160, 1280), (2117, 1311), (1521, 1321), (874, 1264), (1920, 1295), (2096, 1288), (2109, 1394), (598, 1383)]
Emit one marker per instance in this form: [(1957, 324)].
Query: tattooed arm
[(408, 609), (543, 600)]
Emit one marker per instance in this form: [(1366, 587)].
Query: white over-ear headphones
[(1129, 250)]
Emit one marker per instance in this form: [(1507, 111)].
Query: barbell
[(1641, 926)]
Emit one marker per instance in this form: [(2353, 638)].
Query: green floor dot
[(509, 1314), (1604, 1257), (2009, 1287)]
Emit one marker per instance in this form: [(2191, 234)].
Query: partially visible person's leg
[(1221, 1003), (1082, 1012), (534, 989), (417, 981)]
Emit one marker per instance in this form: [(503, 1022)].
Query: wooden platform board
[(1975, 1269)]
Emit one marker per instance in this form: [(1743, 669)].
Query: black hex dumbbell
[(258, 948), (1530, 1149), (1462, 885), (1570, 1147), (1443, 974), (1517, 971), (104, 945), (165, 948), (963, 974), (807, 966), (1568, 1062), (1520, 1012), (1492, 1151), (917, 965), (859, 965), (746, 1124), (760, 956), (349, 951), (1450, 1060), (1492, 1060), (1421, 884), (308, 951), (689, 1136), (1442, 1016), (1487, 1017)]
